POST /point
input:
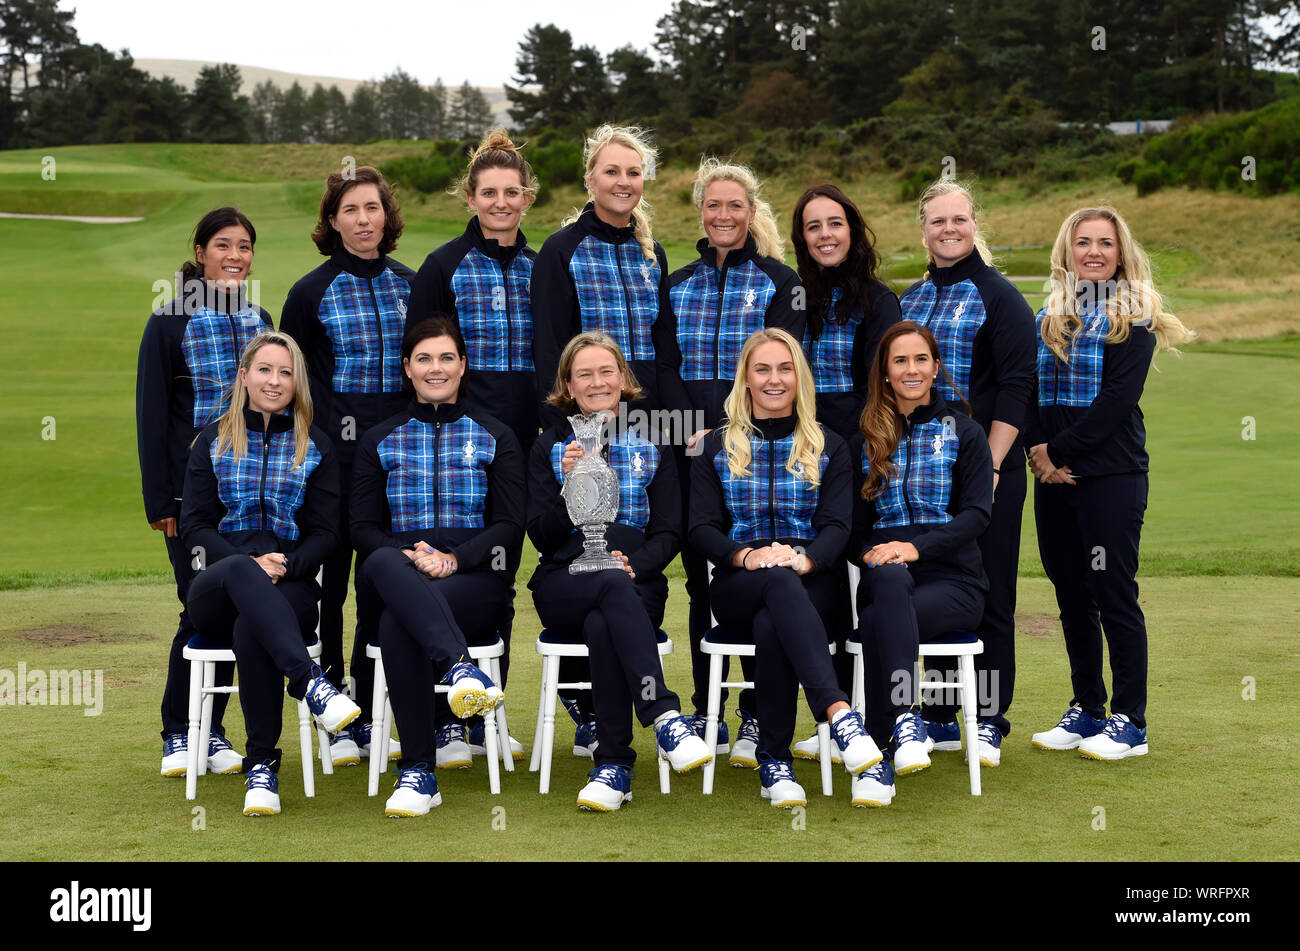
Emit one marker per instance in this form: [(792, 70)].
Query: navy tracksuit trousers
[(898, 615), (1088, 536), (423, 630), (267, 624), (618, 620), (788, 615)]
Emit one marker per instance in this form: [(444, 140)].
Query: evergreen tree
[(217, 112)]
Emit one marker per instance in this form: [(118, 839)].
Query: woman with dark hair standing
[(188, 361), (771, 506), (261, 503), (849, 308), (985, 332), (1102, 326), (438, 494), (480, 280), (615, 612), (348, 315), (737, 285), (925, 483)]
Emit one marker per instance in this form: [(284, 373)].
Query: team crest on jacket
[(468, 450), (958, 311), (751, 295), (797, 468), (645, 274), (401, 307), (638, 463), (938, 444)]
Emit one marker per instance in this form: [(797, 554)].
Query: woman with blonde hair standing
[(1103, 324), (736, 286), (604, 271), (985, 332)]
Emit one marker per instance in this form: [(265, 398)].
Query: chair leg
[(192, 730), (824, 758), (502, 729), (664, 772), (304, 750), (205, 721), (859, 698), (378, 735), (711, 719), (969, 704), (535, 760), (493, 749), (550, 690)]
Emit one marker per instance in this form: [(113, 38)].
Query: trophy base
[(589, 562)]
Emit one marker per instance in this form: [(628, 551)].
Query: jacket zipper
[(771, 487), (437, 468), (627, 303), (717, 324), (379, 326), (505, 293), (266, 452), (907, 472)]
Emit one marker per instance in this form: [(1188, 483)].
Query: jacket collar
[(369, 268), (443, 413), (280, 422), (778, 427), (491, 246), (963, 270), (593, 225), (935, 409), (735, 257)]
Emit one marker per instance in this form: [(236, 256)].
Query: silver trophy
[(591, 496)]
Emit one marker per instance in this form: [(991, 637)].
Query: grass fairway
[(1217, 785), (84, 584)]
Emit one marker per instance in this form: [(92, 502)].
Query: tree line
[(797, 64), (60, 91)]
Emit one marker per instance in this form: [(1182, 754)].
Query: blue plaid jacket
[(635, 461), (831, 354), (985, 332), (348, 316), (441, 475), (261, 502), (189, 356), (772, 503), (1078, 382), (941, 499)]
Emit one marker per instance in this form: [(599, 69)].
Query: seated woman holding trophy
[(591, 490)]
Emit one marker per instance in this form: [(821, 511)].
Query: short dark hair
[(338, 185), (439, 325)]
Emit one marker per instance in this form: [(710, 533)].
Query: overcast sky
[(456, 41)]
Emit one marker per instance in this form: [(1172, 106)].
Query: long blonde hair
[(1135, 297), (232, 431), (947, 187), (809, 441), (762, 224), (638, 140)]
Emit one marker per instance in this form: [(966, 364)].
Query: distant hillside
[(186, 71)]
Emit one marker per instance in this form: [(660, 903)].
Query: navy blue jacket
[(941, 500), (841, 353), (348, 316), (484, 288), (262, 502), (590, 275), (189, 358), (648, 525), (450, 478), (986, 340), (714, 310), (772, 504), (1087, 410)]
